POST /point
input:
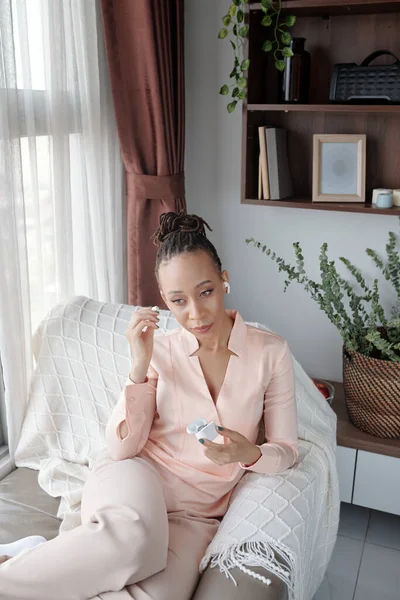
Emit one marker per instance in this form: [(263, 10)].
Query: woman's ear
[(225, 276), (166, 307), (163, 297), (225, 281)]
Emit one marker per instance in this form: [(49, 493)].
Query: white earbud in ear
[(227, 286)]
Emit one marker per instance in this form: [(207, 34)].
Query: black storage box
[(365, 83)]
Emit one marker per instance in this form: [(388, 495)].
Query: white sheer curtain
[(61, 177)]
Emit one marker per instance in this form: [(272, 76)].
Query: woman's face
[(194, 292)]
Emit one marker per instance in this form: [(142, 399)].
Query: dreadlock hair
[(179, 233)]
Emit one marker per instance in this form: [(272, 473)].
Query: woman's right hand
[(141, 342)]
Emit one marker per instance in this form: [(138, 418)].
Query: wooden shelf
[(329, 43), (350, 437), (335, 7), (327, 108), (332, 206)]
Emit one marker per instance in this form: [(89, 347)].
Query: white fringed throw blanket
[(82, 363)]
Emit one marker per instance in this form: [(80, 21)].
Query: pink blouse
[(259, 383)]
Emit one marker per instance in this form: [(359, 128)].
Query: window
[(36, 149), (48, 122), (60, 174)]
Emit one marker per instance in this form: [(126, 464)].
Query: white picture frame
[(339, 167)]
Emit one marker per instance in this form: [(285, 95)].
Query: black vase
[(295, 79)]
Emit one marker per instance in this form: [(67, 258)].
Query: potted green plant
[(235, 29), (371, 339)]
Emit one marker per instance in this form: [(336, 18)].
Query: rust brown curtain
[(144, 42)]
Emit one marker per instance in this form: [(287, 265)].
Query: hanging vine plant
[(236, 30)]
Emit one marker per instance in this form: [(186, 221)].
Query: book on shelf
[(275, 163), (263, 165), (280, 178)]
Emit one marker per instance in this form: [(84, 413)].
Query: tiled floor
[(365, 564)]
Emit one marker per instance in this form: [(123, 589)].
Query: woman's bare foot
[(3, 558)]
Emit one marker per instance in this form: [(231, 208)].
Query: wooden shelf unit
[(352, 30), (340, 207), (327, 108), (334, 7), (350, 437)]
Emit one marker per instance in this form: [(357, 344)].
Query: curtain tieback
[(157, 186)]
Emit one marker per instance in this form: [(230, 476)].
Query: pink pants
[(128, 546)]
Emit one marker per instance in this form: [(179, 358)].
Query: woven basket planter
[(372, 394)]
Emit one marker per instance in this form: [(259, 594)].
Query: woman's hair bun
[(172, 223)]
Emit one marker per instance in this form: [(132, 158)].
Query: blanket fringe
[(254, 554)]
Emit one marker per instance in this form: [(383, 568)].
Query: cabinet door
[(345, 461), (377, 482)]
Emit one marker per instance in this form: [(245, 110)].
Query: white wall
[(213, 165)]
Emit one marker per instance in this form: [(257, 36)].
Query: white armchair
[(288, 521)]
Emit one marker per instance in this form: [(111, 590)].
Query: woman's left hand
[(238, 450)]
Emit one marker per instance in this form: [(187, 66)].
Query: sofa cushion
[(21, 487), (25, 509)]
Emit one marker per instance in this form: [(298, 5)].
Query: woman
[(154, 499)]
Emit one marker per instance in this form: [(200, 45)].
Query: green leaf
[(223, 33), (242, 83), (240, 16), (266, 21), (237, 2), (236, 61), (224, 91), (286, 38), (232, 10), (290, 20), (227, 20), (235, 92), (241, 95), (245, 65), (280, 65), (235, 31), (231, 106), (267, 46), (233, 73), (243, 31), (287, 52), (267, 3), (233, 45)]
